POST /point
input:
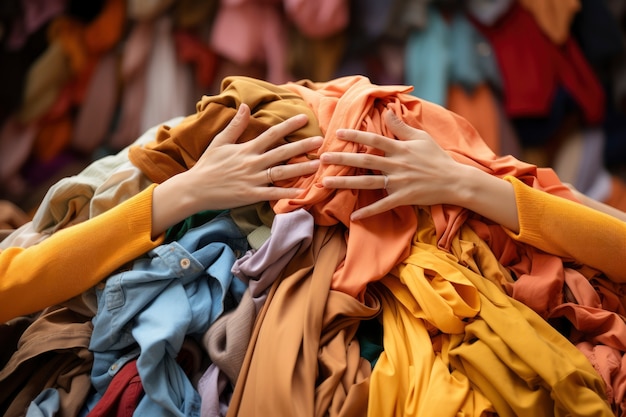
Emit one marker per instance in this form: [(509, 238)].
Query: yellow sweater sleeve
[(569, 229), (75, 259)]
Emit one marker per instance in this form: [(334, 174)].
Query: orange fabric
[(52, 138), (377, 244), (480, 109), (554, 17), (82, 42)]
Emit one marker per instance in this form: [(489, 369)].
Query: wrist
[(172, 201), (467, 186)]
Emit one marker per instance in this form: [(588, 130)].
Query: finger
[(235, 127), (285, 172), (287, 151), (275, 135), (402, 130), (385, 144), (356, 182), (356, 160), (377, 207), (278, 193)]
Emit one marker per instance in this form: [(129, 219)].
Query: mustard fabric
[(176, 149), (456, 343)]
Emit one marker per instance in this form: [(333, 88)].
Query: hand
[(414, 170), (230, 174)]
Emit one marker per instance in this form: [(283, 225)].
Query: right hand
[(418, 170)]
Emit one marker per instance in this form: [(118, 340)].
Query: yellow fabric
[(456, 344), (571, 230), (74, 259)]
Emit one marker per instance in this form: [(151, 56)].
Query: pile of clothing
[(290, 308)]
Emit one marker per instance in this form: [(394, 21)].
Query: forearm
[(75, 259), (487, 195)]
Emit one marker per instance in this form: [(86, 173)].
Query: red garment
[(532, 67), (378, 243), (122, 395), (190, 48)]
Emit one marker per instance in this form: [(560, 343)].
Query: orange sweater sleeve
[(569, 229), (75, 259)]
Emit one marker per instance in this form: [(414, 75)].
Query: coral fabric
[(377, 244)]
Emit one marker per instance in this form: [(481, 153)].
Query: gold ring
[(268, 173), (386, 178)]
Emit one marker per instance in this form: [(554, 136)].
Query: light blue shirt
[(177, 289)]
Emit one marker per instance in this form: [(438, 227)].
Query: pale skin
[(420, 172), (230, 175)]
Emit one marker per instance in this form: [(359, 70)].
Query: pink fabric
[(250, 31), (35, 14), (318, 19), (133, 76), (16, 143), (96, 112), (168, 81)]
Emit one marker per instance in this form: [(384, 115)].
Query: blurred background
[(542, 80)]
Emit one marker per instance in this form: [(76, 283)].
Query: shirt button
[(184, 263)]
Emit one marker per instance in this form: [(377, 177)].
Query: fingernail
[(341, 133)]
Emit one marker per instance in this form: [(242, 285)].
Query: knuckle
[(370, 181), (368, 160), (278, 171)]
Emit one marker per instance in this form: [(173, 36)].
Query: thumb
[(235, 127)]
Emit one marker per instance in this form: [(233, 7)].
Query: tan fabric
[(52, 353), (554, 17), (303, 358), (228, 337)]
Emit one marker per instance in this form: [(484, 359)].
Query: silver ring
[(386, 181), (268, 173)]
